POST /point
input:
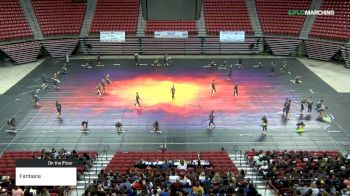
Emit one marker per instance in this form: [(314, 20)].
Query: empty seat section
[(62, 17), (226, 15), (333, 27), (170, 25), (115, 15), (274, 18), (13, 22)]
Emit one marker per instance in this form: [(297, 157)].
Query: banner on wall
[(171, 34), (232, 36), (112, 36)]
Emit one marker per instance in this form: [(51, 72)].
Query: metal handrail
[(269, 183)]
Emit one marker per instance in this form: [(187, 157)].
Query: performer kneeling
[(298, 80), (156, 126), (84, 125), (300, 127), (12, 123), (119, 127)]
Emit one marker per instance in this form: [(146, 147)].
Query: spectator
[(182, 165), (17, 191), (173, 177), (198, 189)]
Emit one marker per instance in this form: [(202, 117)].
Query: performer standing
[(108, 81), (103, 84), (211, 119), (240, 63), (284, 107), (235, 90), (156, 126), (58, 108), (98, 58), (55, 80), (229, 73), (273, 68), (44, 80), (67, 58), (309, 106), (264, 124), (213, 88), (137, 99), (137, 59), (98, 87), (35, 99), (288, 109), (302, 105), (166, 60), (173, 93)]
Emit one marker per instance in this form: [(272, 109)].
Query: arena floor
[(184, 121)]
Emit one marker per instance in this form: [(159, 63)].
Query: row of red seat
[(59, 17), (124, 161), (274, 17), (13, 22), (333, 27), (226, 15), (119, 12)]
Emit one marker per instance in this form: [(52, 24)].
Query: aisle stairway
[(91, 5), (101, 162), (241, 162)]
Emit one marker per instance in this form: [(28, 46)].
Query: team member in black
[(235, 90), (64, 69), (98, 88), (98, 58), (309, 106), (229, 73), (156, 126), (44, 80), (273, 68), (119, 127), (12, 123), (288, 106), (84, 125), (58, 108), (264, 124), (35, 99), (302, 105), (173, 93), (137, 59), (103, 84), (211, 119), (108, 80), (213, 88), (240, 63), (284, 107), (137, 99), (55, 80)]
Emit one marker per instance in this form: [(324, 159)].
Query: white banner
[(171, 34), (112, 36), (46, 176), (232, 36)]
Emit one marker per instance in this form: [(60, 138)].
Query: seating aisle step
[(242, 163)]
